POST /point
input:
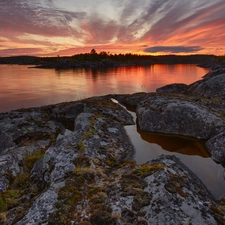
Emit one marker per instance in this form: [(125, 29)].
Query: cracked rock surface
[(71, 163)]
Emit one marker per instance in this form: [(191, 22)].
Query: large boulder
[(176, 115), (216, 146), (210, 88)]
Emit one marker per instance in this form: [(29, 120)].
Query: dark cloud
[(23, 16), (20, 51), (183, 17), (173, 49), (117, 22)]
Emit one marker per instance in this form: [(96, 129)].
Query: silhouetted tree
[(93, 52)]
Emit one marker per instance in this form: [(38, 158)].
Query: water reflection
[(191, 152), (177, 144), (23, 87)]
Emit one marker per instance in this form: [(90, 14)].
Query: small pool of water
[(191, 152)]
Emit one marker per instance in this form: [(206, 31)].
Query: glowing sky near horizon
[(68, 27)]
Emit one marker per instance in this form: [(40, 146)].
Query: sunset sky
[(68, 27)]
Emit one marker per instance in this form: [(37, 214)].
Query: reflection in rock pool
[(190, 151)]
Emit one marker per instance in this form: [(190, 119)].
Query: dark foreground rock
[(216, 147), (208, 93), (71, 163), (172, 88), (213, 63), (175, 114)]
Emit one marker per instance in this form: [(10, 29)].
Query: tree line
[(93, 56)]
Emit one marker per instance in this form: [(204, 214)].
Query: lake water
[(22, 88)]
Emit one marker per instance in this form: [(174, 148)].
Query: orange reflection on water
[(23, 87), (175, 143)]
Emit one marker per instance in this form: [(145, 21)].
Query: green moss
[(102, 218), (12, 197), (100, 103), (68, 198), (102, 215), (99, 198), (175, 183), (70, 195), (146, 169), (140, 200), (3, 219), (111, 161), (81, 147), (81, 161), (32, 158), (132, 185), (3, 204), (86, 173), (20, 185), (93, 190), (89, 133), (21, 181), (217, 210)]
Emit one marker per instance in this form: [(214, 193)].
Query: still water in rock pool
[(190, 151), (22, 88)]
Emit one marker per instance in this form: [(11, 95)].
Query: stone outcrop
[(208, 93), (211, 87), (176, 115), (213, 63), (71, 163), (172, 88), (216, 147)]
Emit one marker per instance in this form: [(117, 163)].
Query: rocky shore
[(72, 163)]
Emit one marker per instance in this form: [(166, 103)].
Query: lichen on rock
[(72, 163)]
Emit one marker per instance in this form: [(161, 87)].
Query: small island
[(105, 59)]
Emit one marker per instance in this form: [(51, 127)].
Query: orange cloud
[(52, 27)]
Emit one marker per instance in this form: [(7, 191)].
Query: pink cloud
[(130, 25)]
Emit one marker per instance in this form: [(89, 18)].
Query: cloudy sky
[(68, 27)]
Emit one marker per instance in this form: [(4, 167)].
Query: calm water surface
[(22, 88)]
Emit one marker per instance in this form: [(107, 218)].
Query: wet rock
[(216, 147), (172, 88), (175, 115)]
